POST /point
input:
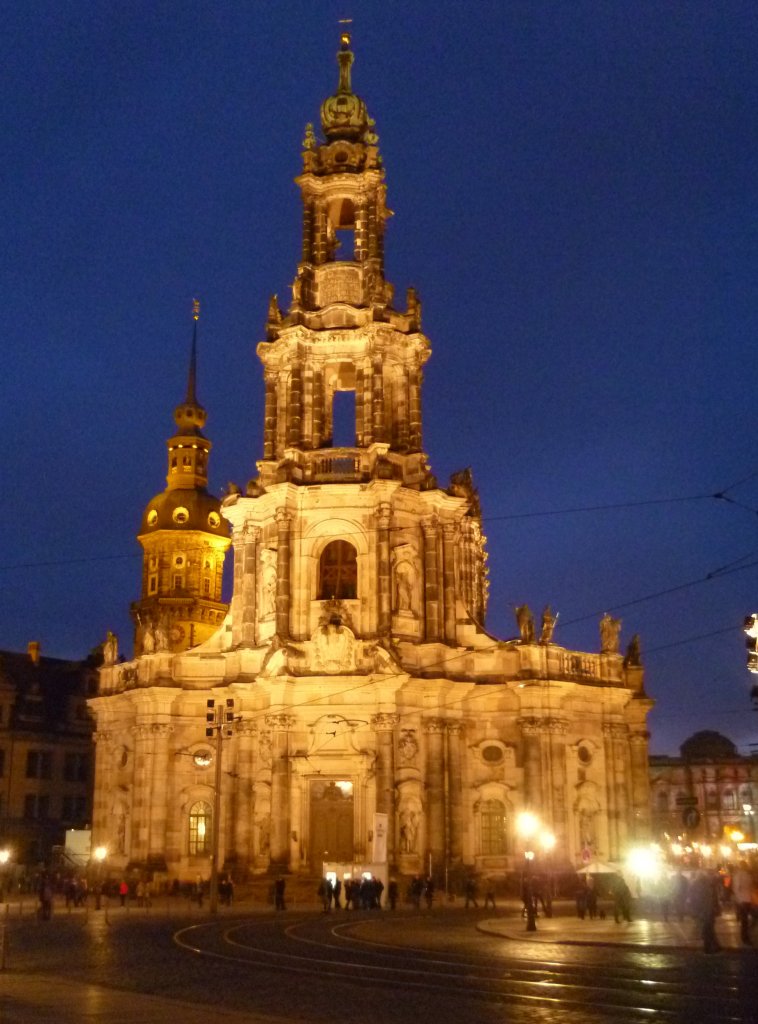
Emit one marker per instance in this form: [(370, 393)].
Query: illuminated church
[(363, 690)]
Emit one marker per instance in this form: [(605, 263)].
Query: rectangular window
[(76, 767), (74, 808), (39, 764), (153, 584), (206, 586), (36, 805)]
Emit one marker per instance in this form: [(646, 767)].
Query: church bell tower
[(344, 507), (184, 539)]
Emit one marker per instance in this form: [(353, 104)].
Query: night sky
[(575, 188)]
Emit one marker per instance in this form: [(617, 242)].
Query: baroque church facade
[(360, 682)]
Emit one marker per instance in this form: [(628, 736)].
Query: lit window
[(200, 829), (492, 819), (181, 515), (338, 572)]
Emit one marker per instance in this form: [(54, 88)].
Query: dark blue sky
[(576, 199)]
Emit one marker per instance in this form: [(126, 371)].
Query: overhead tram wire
[(53, 563)]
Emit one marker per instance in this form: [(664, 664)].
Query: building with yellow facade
[(371, 714)]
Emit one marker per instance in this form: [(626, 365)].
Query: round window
[(181, 515), (202, 758), (214, 520), (492, 754), (585, 755), (152, 517)]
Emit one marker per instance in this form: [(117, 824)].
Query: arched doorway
[(331, 822)]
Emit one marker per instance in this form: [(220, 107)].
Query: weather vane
[(196, 309), (345, 32)]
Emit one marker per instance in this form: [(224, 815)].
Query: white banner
[(380, 839)]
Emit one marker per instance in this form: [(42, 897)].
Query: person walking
[(470, 893), (279, 887), (704, 904), (742, 894)]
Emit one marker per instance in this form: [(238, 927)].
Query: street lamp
[(527, 825), (547, 842), (99, 853), (220, 721), (5, 856)]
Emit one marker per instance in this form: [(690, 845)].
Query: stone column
[(243, 795), (402, 411), (455, 792), (384, 570), (448, 577), (640, 785), (269, 417), (435, 792), (610, 791), (366, 404), (384, 726), (377, 399), (295, 407), (140, 794), (431, 580), (361, 232), (360, 398), (318, 407), (101, 824), (320, 246), (531, 731), (283, 520), (160, 732), (414, 410), (557, 729), (280, 789), (307, 230), (620, 759), (246, 559)]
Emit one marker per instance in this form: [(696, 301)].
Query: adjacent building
[(46, 753), (365, 697), (705, 794)]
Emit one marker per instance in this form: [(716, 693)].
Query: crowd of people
[(701, 894)]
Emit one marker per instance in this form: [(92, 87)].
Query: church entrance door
[(331, 822)]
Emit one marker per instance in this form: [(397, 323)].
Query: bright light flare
[(644, 862), (527, 824)]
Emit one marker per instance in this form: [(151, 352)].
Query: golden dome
[(344, 115)]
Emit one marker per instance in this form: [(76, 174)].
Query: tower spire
[(191, 398)]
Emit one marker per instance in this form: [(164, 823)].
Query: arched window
[(200, 823), (338, 572), (492, 819)]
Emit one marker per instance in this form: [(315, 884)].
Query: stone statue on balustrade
[(548, 625), (610, 630), (525, 623)]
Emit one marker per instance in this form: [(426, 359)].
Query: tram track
[(335, 952)]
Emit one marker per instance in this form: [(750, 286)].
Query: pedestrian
[(279, 887), (470, 893), (429, 892), (591, 899), (622, 900), (324, 893), (392, 894), (45, 898), (582, 893), (742, 894), (123, 891), (489, 893), (336, 892), (704, 906)]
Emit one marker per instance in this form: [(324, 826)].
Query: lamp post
[(5, 856), (527, 825), (547, 842), (220, 721), (99, 854)]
